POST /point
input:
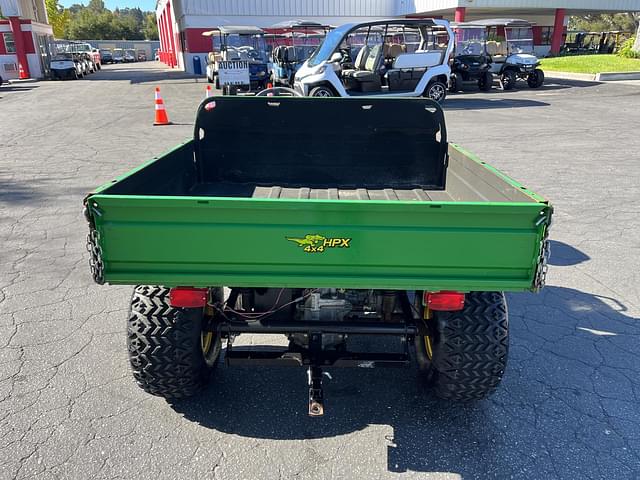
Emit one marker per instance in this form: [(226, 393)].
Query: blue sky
[(145, 5)]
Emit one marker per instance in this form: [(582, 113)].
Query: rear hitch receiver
[(316, 396)]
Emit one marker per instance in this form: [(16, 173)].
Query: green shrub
[(627, 51)]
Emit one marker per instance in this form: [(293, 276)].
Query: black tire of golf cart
[(436, 91), (464, 357), (508, 80), (455, 83), (486, 82), (229, 90), (322, 91), (536, 79), (170, 354)]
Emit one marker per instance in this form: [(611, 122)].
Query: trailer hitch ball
[(315, 409)]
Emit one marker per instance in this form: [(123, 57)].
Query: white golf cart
[(394, 58), (512, 54), (241, 51)]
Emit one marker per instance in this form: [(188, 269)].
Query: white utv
[(393, 58), (512, 55)]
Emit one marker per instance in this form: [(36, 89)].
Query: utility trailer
[(323, 231)]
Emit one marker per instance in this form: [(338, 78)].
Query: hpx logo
[(314, 243)]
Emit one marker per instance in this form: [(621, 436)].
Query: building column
[(159, 25), (460, 12), (167, 41), (21, 52), (172, 42), (163, 38), (558, 31)]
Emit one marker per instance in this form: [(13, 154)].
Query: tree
[(58, 17), (96, 6), (627, 22), (150, 28), (95, 22)]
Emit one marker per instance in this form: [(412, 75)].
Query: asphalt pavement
[(568, 406)]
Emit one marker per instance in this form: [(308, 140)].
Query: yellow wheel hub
[(206, 340), (426, 315), (427, 345)]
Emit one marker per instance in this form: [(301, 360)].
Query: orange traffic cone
[(161, 113), (208, 92), (22, 75)]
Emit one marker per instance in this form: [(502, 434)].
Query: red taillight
[(188, 297), (444, 301)]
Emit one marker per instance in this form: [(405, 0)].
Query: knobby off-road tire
[(465, 356), (167, 346)]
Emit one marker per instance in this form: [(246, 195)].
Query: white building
[(25, 35), (181, 22)]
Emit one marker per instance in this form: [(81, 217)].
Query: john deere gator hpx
[(322, 220)]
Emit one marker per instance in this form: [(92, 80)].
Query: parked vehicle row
[(66, 65), (399, 58), (120, 55), (82, 48)]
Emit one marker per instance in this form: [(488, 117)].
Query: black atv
[(470, 62)]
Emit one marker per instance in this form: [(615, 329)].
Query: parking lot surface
[(568, 406)]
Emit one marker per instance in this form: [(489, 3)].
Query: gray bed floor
[(275, 191)]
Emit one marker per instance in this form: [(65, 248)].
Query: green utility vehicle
[(328, 232)]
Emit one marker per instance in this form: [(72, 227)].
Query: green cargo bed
[(304, 192)]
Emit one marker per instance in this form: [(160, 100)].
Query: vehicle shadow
[(477, 103), (552, 84), (551, 397), (12, 192), (16, 88), (142, 74), (564, 255), (561, 83)]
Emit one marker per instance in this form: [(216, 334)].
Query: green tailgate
[(249, 243)]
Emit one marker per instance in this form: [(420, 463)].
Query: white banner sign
[(234, 72)]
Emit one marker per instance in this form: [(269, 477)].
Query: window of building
[(34, 5), (546, 34), (9, 43)]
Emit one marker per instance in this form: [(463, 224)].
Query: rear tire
[(486, 82), (465, 355), (508, 80), (536, 79), (436, 91), (170, 355)]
